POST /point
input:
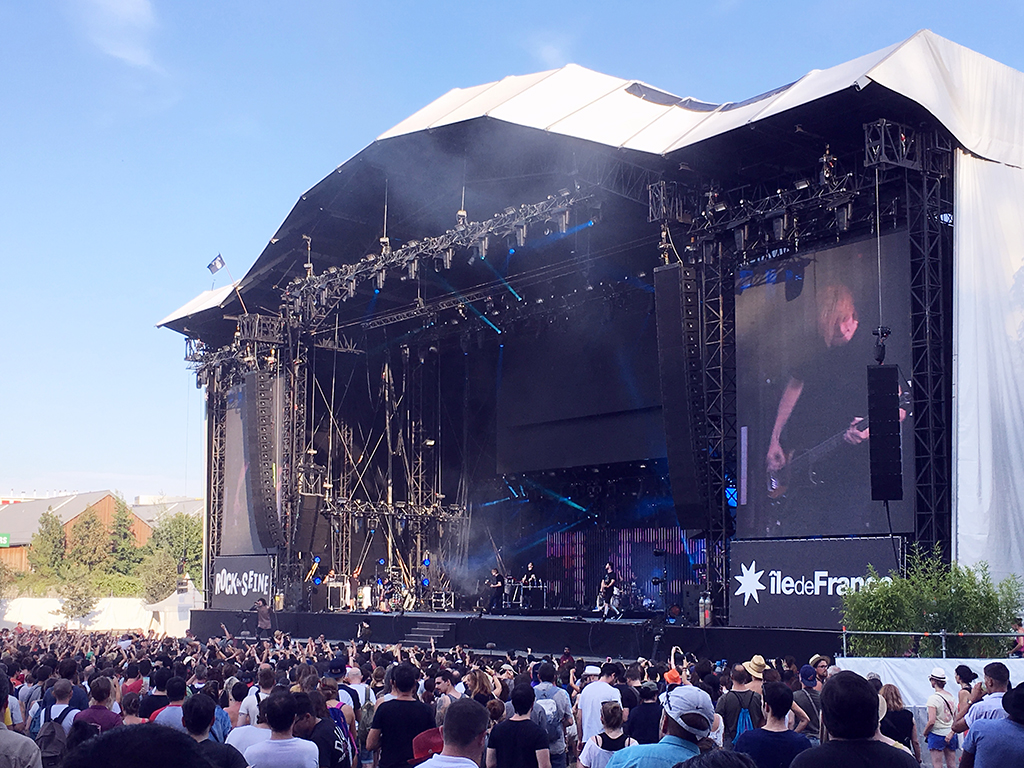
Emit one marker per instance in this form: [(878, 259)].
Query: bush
[(933, 596)]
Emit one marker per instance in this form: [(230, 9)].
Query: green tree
[(77, 593), (181, 536), (933, 596), (159, 575), (89, 544), (6, 580), (46, 555), (124, 548)]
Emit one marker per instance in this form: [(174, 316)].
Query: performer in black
[(608, 588), (497, 585), (531, 583)]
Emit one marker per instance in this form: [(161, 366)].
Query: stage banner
[(799, 583), (240, 580)]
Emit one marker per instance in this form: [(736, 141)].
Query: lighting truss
[(312, 298)]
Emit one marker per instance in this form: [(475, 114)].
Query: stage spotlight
[(426, 582), (317, 580), (426, 561), (802, 183), (316, 559), (380, 561)]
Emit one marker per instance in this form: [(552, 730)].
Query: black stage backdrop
[(800, 583), (804, 341), (240, 580)]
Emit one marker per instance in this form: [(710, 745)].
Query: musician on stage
[(497, 585), (531, 583), (263, 622), (530, 578), (609, 582)]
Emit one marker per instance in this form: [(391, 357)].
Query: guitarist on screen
[(816, 402)]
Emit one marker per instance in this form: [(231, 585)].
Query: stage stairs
[(424, 631)]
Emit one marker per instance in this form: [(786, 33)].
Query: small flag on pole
[(216, 265)]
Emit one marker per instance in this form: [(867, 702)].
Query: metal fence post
[(943, 633)]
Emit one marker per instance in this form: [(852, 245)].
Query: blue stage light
[(316, 559), (380, 561), (426, 582), (426, 561), (317, 580)]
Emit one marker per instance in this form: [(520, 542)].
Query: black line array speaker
[(309, 524), (259, 427), (677, 312), (885, 450)]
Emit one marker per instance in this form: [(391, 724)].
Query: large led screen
[(804, 339)]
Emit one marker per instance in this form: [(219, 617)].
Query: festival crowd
[(83, 699)]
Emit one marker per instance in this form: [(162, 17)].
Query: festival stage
[(626, 638)]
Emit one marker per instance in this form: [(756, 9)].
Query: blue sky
[(140, 138)]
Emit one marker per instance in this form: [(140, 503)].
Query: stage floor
[(590, 638)]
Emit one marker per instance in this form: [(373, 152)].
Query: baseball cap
[(426, 745), (689, 699), (808, 676), (336, 669)]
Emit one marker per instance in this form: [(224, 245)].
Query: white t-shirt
[(244, 736), (448, 761), (945, 709), (589, 704), (365, 694), (250, 705), (55, 711), (283, 753)]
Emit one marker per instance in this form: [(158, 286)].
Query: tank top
[(612, 745)]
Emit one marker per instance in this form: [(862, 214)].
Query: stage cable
[(878, 243)]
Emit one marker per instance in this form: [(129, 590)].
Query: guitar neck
[(827, 446)]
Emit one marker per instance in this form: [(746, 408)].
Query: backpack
[(552, 722), (53, 739), (744, 721)]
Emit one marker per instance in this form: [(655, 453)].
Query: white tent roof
[(575, 101), (205, 300)]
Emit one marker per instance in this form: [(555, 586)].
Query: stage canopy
[(978, 100)]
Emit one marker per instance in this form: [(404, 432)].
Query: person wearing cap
[(596, 693), (773, 745), (998, 741), (686, 721), (985, 702), (821, 665), (731, 704), (849, 711), (942, 741), (464, 733), (808, 699), (426, 745), (644, 722)]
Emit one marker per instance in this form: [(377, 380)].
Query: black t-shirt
[(729, 707), (771, 749), (516, 743), (221, 755), (898, 725), (152, 703), (399, 722), (330, 741), (644, 723), (854, 754), (630, 698)]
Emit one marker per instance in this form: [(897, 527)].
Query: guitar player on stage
[(821, 416), (609, 588)]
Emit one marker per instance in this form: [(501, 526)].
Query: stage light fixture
[(657, 581), (380, 561), (316, 559), (802, 183), (317, 580)]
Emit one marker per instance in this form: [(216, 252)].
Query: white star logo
[(750, 582)]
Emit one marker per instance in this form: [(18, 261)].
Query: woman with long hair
[(898, 723), (600, 748)]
